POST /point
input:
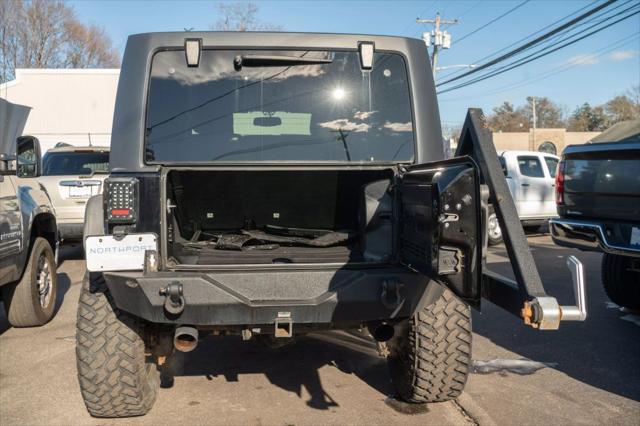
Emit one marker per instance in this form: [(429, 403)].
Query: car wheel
[(117, 378), (621, 282), (31, 301), (494, 233), (430, 354)]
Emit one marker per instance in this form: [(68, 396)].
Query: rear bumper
[(332, 298), (607, 237), (70, 231)]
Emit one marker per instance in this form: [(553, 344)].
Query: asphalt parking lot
[(585, 373)]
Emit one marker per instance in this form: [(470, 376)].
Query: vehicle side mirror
[(29, 158)]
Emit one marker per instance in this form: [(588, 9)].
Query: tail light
[(121, 200), (560, 183)]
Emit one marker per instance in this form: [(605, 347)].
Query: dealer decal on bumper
[(106, 253)]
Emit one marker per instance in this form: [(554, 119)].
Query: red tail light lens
[(560, 183)]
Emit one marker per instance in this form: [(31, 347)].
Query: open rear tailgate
[(525, 296)]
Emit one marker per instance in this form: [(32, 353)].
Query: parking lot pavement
[(584, 373)]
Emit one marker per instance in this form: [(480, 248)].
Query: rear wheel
[(31, 301), (117, 378), (494, 232), (430, 355), (621, 280)]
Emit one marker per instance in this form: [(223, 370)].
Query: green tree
[(588, 119)]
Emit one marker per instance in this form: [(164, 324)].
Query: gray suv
[(267, 185)]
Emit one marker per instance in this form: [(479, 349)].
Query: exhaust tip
[(185, 339)]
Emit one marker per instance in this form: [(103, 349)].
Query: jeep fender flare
[(93, 218)]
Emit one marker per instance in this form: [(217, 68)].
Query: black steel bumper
[(607, 237), (260, 297)]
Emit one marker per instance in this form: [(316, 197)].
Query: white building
[(67, 105)]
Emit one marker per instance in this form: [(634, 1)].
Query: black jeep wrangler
[(273, 184)]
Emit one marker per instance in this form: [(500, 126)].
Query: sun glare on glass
[(338, 94)]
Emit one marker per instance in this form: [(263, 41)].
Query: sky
[(593, 70)]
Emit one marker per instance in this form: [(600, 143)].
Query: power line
[(554, 71), (533, 42), (481, 27), (526, 37), (530, 59), (558, 41)]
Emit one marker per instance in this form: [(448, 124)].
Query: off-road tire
[(116, 378), (430, 355), (621, 285), (22, 299)]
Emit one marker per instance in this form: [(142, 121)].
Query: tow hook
[(174, 299)]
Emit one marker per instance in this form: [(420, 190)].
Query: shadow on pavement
[(603, 351), (70, 252), (291, 368)]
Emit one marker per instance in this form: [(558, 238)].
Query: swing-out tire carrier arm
[(525, 296)]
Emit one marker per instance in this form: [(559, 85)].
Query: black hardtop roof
[(128, 134)]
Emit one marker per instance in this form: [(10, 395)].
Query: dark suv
[(272, 184)]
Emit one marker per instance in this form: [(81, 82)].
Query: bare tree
[(241, 17), (86, 47), (47, 34), (548, 114), (507, 118), (622, 108)]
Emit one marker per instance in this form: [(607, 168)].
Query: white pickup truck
[(531, 179)]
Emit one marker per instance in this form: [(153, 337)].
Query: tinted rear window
[(75, 163), (604, 176), (321, 112), (552, 165), (530, 166)]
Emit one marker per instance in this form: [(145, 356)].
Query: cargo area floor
[(211, 256)]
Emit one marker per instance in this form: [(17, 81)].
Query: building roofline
[(53, 71), (31, 71)]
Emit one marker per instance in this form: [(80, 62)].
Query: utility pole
[(532, 144), (439, 39)]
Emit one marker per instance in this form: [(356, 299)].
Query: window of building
[(548, 147)]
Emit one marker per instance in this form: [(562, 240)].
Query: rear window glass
[(552, 165), (75, 163), (530, 166), (607, 176), (331, 112)]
